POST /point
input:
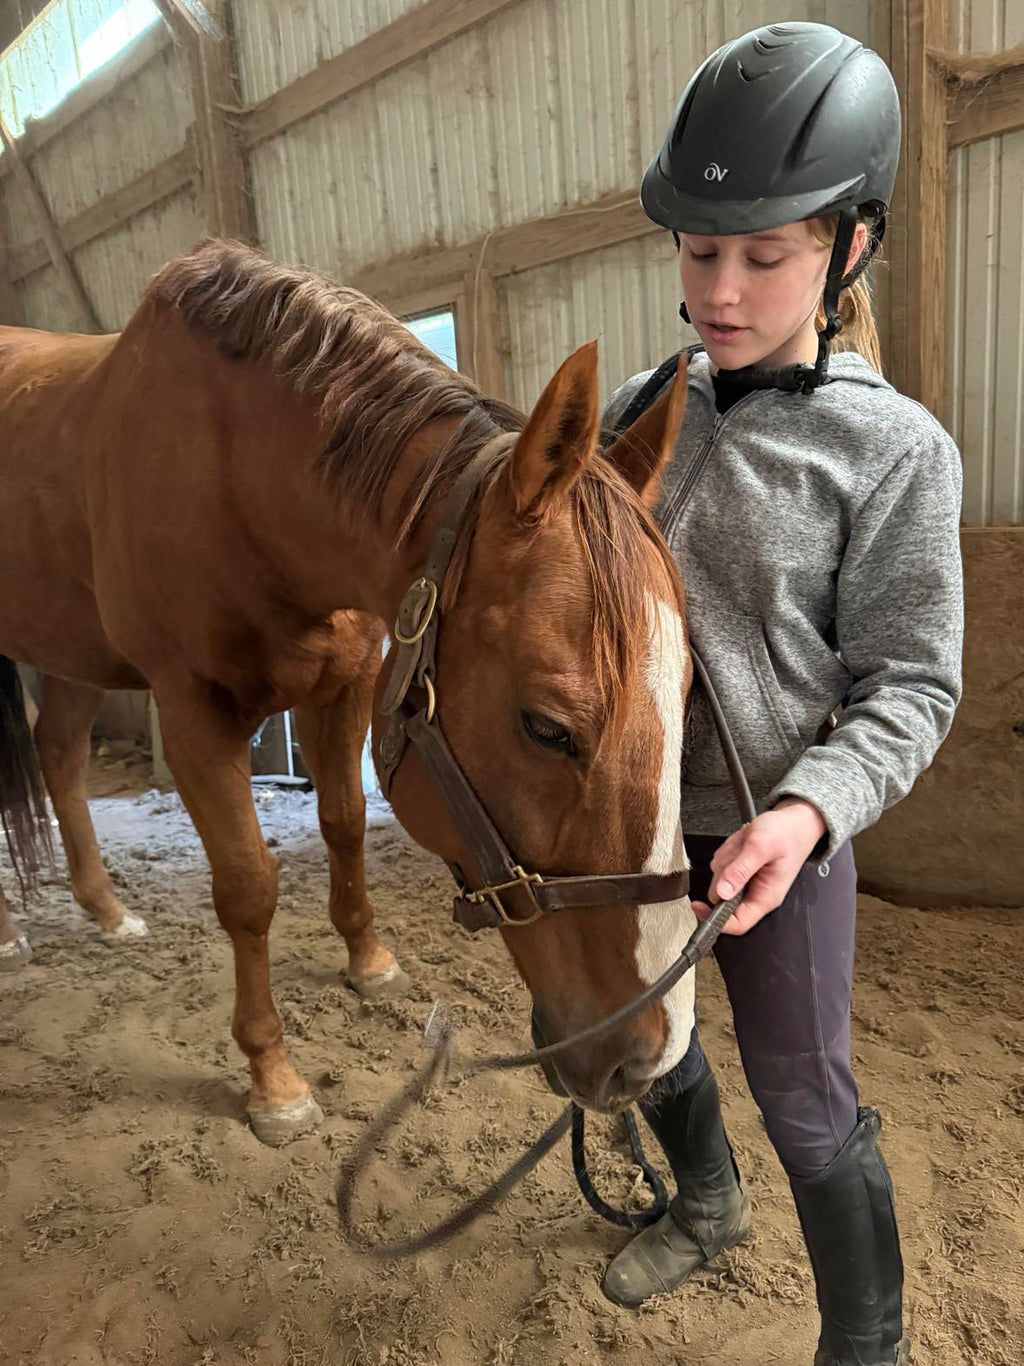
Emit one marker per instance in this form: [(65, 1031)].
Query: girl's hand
[(766, 855)]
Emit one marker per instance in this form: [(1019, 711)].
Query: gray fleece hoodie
[(817, 536)]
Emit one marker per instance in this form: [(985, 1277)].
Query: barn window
[(62, 47), (436, 330)]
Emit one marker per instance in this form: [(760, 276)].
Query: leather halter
[(510, 895)]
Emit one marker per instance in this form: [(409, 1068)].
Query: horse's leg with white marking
[(14, 947), (66, 713), (332, 738), (207, 751)]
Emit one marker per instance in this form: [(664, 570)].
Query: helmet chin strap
[(804, 378)]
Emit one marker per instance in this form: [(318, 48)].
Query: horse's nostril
[(632, 1077)]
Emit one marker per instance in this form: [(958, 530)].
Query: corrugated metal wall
[(985, 332), (142, 123), (549, 104)]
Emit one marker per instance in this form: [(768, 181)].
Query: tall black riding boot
[(710, 1211), (849, 1224)]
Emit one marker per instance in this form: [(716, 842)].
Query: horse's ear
[(645, 448), (560, 436)]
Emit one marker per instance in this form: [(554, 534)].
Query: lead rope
[(439, 1035), (624, 1218)]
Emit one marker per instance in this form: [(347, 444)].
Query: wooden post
[(49, 233), (205, 30), (917, 287)]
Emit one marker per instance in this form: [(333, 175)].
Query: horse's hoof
[(15, 954), (131, 927), (381, 986), (279, 1126)]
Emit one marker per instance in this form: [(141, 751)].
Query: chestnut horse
[(226, 502)]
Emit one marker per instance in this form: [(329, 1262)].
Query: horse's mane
[(378, 386)]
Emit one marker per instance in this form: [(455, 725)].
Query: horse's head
[(561, 675)]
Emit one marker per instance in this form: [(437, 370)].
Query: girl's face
[(753, 297)]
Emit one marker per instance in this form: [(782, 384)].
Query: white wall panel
[(278, 42), (114, 268), (116, 141), (626, 296), (985, 311)]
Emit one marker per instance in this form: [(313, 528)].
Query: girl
[(813, 512)]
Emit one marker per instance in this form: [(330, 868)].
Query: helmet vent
[(747, 76)]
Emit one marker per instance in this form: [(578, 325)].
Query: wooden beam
[(118, 71), (524, 246), (190, 18), (416, 33), (985, 94), (205, 30), (11, 307), (66, 272), (172, 175)]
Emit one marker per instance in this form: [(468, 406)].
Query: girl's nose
[(723, 288)]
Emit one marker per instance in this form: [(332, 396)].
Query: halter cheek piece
[(510, 895)]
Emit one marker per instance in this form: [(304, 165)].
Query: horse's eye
[(548, 733)]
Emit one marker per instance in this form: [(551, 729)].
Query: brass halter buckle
[(421, 598), (521, 878)]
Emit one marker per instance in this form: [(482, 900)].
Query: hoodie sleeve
[(899, 624)]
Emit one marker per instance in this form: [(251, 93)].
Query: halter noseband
[(510, 895)]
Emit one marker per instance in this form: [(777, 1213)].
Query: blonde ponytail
[(860, 332)]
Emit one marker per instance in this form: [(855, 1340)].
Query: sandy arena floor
[(141, 1222)]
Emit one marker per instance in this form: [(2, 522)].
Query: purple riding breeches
[(789, 981)]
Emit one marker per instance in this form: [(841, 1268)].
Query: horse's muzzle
[(546, 1064)]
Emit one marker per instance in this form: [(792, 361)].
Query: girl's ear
[(860, 241)]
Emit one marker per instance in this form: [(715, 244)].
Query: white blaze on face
[(665, 927)]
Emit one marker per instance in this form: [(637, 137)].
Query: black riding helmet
[(788, 122)]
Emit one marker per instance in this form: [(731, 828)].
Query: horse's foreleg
[(14, 947), (331, 736), (62, 732), (207, 752)]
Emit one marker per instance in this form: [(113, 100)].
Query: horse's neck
[(337, 551), (238, 428)]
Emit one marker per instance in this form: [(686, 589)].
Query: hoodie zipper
[(684, 492)]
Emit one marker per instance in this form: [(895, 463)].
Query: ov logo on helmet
[(716, 172)]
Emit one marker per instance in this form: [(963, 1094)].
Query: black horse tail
[(26, 825)]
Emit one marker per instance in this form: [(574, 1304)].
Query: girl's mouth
[(722, 332)]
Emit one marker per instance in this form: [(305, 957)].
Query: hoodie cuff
[(833, 783)]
